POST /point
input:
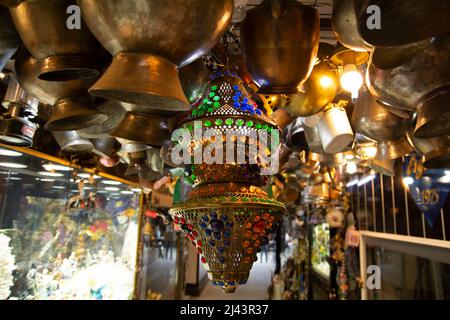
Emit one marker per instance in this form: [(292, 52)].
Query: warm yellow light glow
[(351, 81), (408, 181), (371, 152), (351, 167), (326, 81)]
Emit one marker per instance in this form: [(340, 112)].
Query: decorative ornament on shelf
[(227, 216)]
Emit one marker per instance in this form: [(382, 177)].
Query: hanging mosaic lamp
[(227, 216)]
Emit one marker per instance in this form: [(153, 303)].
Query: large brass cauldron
[(407, 85), (148, 39), (402, 21), (194, 79), (73, 108), (345, 26), (64, 54), (9, 39), (280, 40)]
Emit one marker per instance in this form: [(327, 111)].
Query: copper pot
[(115, 114), (280, 40), (345, 26), (393, 149), (63, 54), (374, 121), (73, 108), (319, 90), (405, 86), (71, 143), (402, 21), (9, 39), (436, 150), (149, 39), (392, 57), (194, 79), (433, 115), (148, 129)]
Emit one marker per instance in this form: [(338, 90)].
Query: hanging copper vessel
[(148, 50), (280, 39), (73, 108), (401, 21), (63, 53), (227, 216), (115, 113), (319, 90), (393, 149), (282, 118), (194, 79), (9, 39), (70, 142), (433, 115), (405, 86), (392, 57), (385, 167), (345, 26), (149, 129), (374, 121)]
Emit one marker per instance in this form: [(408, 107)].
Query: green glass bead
[(207, 123), (216, 104), (194, 112), (210, 110), (216, 98), (218, 122), (234, 198), (265, 126), (240, 122), (229, 122), (213, 88), (258, 126), (211, 94), (205, 100), (245, 199), (249, 123)]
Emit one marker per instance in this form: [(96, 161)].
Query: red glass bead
[(259, 226), (203, 260), (194, 233), (200, 251), (183, 220), (199, 243)]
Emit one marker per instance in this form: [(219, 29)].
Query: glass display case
[(65, 233)]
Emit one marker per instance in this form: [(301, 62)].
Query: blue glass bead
[(231, 283), (236, 104), (203, 225), (235, 98), (238, 93), (216, 226), (224, 218), (208, 232), (230, 224), (235, 87), (221, 259), (258, 112), (245, 100), (217, 236), (213, 215), (221, 283), (205, 218), (226, 234)]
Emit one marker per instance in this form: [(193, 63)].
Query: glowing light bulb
[(351, 167), (326, 81), (408, 181), (371, 152)]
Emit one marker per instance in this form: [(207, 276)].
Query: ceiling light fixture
[(50, 174), (10, 153), (13, 165), (56, 167), (111, 182)]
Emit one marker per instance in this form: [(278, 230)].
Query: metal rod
[(358, 206), (423, 226), (382, 202), (405, 191), (139, 247), (365, 207), (373, 207), (394, 212), (363, 267), (444, 237)]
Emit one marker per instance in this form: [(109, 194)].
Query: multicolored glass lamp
[(227, 216)]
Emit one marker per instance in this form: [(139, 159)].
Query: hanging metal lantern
[(148, 50), (18, 124), (63, 53), (401, 21), (345, 26), (280, 40), (227, 216)]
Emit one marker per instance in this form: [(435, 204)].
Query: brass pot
[(71, 114), (73, 108), (194, 79), (319, 90), (433, 115), (436, 150), (280, 40), (115, 114), (402, 21), (405, 86), (393, 149), (149, 39), (70, 142), (63, 54), (148, 129), (9, 39), (282, 118), (392, 57), (374, 121), (385, 167), (345, 26)]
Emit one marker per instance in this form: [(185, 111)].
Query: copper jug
[(280, 39)]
